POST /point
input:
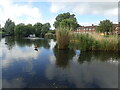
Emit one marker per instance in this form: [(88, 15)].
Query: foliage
[(83, 42), (45, 28), (63, 37), (105, 26), (50, 35), (71, 24), (38, 29), (94, 42), (9, 27), (19, 29), (24, 30), (68, 18), (51, 31)]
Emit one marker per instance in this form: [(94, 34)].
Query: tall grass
[(63, 37), (94, 42)]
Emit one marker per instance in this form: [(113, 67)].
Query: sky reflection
[(22, 67)]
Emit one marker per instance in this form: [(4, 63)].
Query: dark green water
[(37, 64)]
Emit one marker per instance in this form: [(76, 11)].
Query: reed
[(63, 38), (94, 42)]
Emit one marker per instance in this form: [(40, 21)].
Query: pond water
[(36, 63)]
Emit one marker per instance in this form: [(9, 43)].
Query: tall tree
[(45, 28), (68, 23), (66, 18), (38, 29), (24, 30), (9, 27), (29, 29), (105, 26), (19, 29)]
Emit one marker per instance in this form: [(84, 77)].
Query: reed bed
[(94, 42), (63, 38)]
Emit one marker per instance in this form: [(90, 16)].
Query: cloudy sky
[(29, 11)]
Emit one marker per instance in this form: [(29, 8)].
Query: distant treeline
[(39, 29)]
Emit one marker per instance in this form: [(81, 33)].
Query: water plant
[(63, 37), (93, 42)]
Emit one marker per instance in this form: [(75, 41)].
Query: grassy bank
[(94, 42)]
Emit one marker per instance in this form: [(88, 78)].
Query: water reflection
[(11, 41), (63, 57), (24, 67), (99, 56)]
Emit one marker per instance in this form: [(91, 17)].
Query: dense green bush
[(50, 35)]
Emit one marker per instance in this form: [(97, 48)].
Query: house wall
[(92, 29)]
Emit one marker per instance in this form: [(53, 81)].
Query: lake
[(35, 63)]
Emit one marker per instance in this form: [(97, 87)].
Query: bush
[(50, 35), (51, 31)]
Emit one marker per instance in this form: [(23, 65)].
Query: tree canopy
[(9, 27), (38, 29), (45, 28), (66, 19), (105, 26)]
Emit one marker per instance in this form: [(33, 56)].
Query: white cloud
[(86, 7), (104, 75), (67, 0), (55, 7), (109, 10), (19, 13), (11, 56), (88, 23)]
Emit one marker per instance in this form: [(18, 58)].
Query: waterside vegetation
[(94, 42), (65, 24)]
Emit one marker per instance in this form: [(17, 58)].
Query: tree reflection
[(23, 42), (63, 57), (101, 56), (104, 56), (85, 56), (10, 42)]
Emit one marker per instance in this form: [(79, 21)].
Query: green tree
[(24, 30), (105, 26), (9, 27), (66, 18), (69, 23), (38, 29), (29, 29), (19, 29), (45, 29)]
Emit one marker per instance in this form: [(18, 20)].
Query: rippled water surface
[(35, 63)]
